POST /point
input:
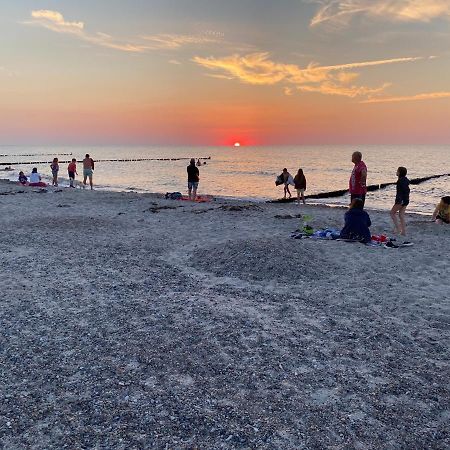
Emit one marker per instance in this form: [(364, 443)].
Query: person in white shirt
[(35, 179)]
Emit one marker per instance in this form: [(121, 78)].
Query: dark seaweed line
[(371, 188)]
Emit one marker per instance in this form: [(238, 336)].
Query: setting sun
[(237, 144)]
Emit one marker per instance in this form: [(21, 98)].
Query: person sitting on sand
[(441, 214), (54, 166), (88, 170), (23, 178), (401, 201), (35, 179), (300, 185), (357, 222), (193, 180), (287, 179), (199, 163)]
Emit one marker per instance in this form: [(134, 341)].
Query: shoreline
[(279, 201)]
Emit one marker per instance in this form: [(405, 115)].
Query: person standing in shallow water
[(358, 179), (193, 179), (287, 179), (88, 170)]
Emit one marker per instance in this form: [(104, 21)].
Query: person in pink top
[(357, 184)]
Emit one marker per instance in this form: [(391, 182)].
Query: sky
[(214, 72)]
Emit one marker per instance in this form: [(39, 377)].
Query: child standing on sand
[(72, 170), (401, 202), (54, 166)]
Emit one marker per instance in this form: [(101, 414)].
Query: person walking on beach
[(88, 170), (358, 178), (72, 170), (54, 166), (401, 202), (193, 179), (300, 185), (287, 180)]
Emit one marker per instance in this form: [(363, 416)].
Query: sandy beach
[(130, 322)]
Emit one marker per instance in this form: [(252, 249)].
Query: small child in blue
[(23, 178), (54, 166)]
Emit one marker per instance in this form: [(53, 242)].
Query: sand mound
[(260, 260)]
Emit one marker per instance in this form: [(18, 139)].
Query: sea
[(245, 172)]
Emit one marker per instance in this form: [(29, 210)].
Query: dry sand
[(129, 321)]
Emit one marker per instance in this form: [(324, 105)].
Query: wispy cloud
[(341, 12), (175, 41), (410, 98), (55, 21), (7, 72), (258, 69)]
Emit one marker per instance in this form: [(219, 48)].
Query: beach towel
[(173, 195), (199, 198)]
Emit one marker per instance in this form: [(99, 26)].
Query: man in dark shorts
[(193, 179)]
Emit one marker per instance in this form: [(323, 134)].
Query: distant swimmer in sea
[(72, 171), (35, 179), (88, 170), (401, 202), (23, 178), (358, 179), (54, 166), (441, 214), (300, 186), (193, 179), (357, 223)]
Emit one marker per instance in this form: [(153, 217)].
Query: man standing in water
[(193, 179), (357, 183), (88, 170)]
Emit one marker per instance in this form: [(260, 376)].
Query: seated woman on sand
[(357, 223), (441, 214), (23, 178), (35, 179)]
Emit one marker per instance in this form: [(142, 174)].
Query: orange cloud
[(55, 21), (258, 69)]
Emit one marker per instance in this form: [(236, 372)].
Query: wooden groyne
[(22, 163), (370, 188), (37, 154)]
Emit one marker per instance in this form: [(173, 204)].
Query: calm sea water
[(249, 172)]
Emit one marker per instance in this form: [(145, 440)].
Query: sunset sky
[(211, 72)]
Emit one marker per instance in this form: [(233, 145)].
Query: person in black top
[(401, 201), (193, 179)]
